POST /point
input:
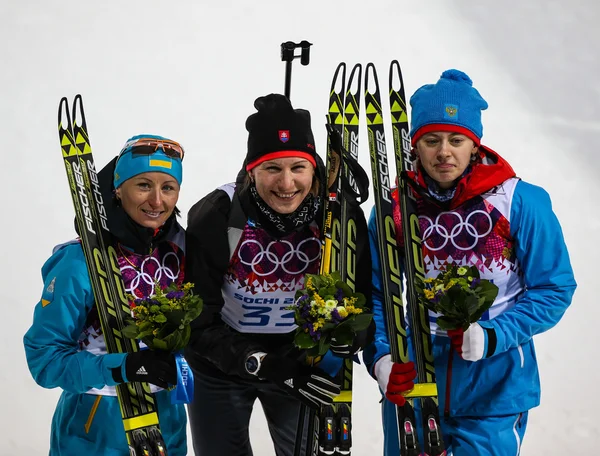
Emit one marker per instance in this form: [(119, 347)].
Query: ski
[(137, 403), (330, 428), (347, 247), (321, 437), (413, 265), (390, 259)]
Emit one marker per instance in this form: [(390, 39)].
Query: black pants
[(220, 416)]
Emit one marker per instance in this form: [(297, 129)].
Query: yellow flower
[(318, 324), (451, 283), (429, 294), (461, 271), (350, 301), (342, 312), (353, 310), (309, 285), (319, 300)]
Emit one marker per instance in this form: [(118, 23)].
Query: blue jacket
[(57, 347), (506, 382)]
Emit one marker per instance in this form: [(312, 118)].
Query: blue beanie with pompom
[(452, 104)]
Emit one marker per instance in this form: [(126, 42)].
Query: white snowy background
[(191, 71)]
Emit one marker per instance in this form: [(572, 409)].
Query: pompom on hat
[(278, 130), (452, 104), (130, 164)]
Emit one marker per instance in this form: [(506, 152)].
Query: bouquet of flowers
[(327, 308), (459, 295), (162, 321)]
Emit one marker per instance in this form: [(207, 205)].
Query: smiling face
[(149, 198), (283, 183), (445, 155)]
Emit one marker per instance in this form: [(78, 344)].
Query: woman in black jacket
[(250, 243)]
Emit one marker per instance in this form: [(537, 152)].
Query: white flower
[(331, 304)]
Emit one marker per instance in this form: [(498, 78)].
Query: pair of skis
[(329, 429), (390, 259), (137, 403)]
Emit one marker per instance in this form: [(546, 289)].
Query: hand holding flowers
[(328, 308), (162, 321), (459, 295)]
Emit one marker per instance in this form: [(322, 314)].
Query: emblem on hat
[(284, 136), (450, 111)]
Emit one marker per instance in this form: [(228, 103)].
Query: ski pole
[(288, 55)]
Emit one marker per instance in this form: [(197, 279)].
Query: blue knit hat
[(452, 104), (130, 164)]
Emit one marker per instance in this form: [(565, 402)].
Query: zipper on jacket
[(90, 419)]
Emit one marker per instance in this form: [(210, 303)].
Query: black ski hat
[(278, 130)]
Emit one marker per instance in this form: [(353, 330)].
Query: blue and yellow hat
[(149, 153), (452, 104)]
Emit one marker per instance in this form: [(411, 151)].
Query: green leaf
[(303, 340), (144, 334), (160, 319), (344, 334), (174, 341), (145, 326), (185, 335), (335, 276), (472, 303), (361, 300), (175, 317), (159, 344), (361, 321), (327, 292), (477, 315), (346, 290), (130, 331), (324, 344)]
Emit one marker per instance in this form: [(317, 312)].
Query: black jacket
[(215, 348)]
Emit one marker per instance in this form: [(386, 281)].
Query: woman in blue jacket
[(473, 210), (65, 347)]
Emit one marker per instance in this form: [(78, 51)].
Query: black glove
[(360, 341), (310, 385), (156, 367)]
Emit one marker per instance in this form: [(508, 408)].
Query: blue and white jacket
[(505, 227)]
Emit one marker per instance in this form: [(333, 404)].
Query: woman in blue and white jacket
[(473, 210), (65, 346)]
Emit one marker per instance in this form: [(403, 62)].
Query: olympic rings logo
[(292, 256), (161, 269), (463, 229)]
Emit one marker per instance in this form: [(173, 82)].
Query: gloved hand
[(310, 385), (470, 344), (395, 378), (156, 367), (361, 340)]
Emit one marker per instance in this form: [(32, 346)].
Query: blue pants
[(465, 436), (220, 415)]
